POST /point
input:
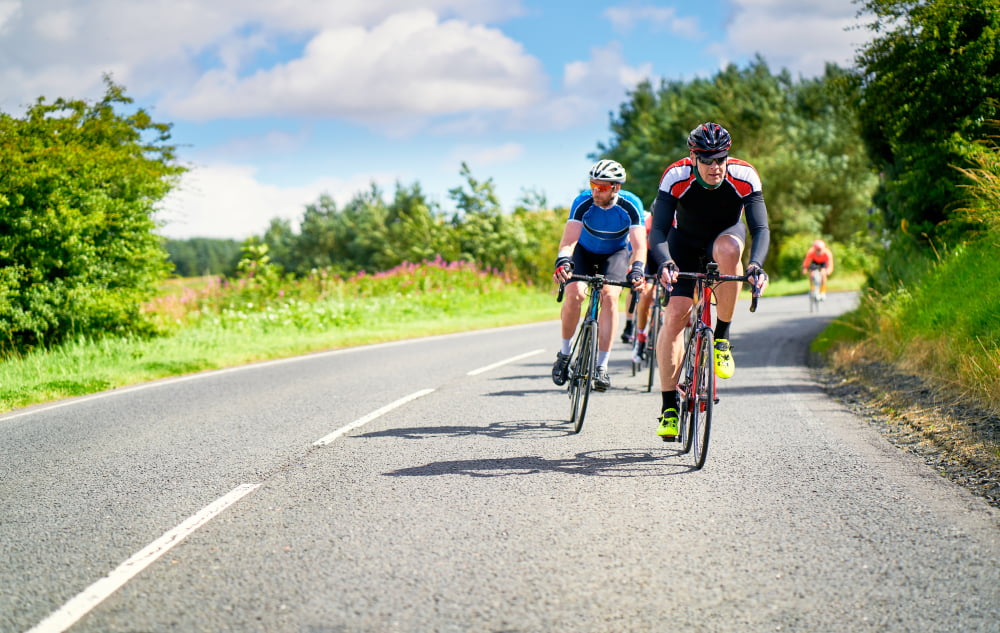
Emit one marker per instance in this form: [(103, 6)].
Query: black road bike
[(583, 357)]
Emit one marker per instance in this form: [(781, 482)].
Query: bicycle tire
[(815, 283), (684, 398), (583, 378), (654, 331), (704, 397)]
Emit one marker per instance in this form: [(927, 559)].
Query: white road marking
[(160, 382), (475, 372), (95, 594), (323, 441)]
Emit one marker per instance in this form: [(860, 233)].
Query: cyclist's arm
[(829, 262), (806, 262), (760, 233), (637, 238), (570, 236), (663, 218)]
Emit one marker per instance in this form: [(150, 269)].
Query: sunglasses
[(712, 161), (602, 186)]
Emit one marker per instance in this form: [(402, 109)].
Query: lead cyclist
[(698, 214)]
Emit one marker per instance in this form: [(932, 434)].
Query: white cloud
[(479, 156), (659, 18), (800, 35), (410, 64), (156, 47), (230, 201)]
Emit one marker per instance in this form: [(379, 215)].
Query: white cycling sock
[(567, 345), (602, 359)]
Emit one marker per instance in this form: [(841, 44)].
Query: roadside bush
[(78, 250)]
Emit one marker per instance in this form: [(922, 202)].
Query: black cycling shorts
[(614, 266), (692, 253)]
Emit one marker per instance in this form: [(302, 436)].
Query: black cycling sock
[(669, 400), (721, 329)]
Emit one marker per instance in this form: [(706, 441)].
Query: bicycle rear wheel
[(815, 283), (582, 377), (654, 331), (703, 392)]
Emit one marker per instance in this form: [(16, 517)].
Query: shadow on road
[(609, 463)]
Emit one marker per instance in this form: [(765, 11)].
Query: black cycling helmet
[(710, 140)]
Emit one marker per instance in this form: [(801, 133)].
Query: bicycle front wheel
[(685, 393), (583, 375), (704, 396)]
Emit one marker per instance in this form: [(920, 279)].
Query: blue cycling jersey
[(606, 230)]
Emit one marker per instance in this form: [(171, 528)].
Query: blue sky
[(275, 102)]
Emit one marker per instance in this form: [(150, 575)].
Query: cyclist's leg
[(614, 266), (670, 342), (573, 298), (727, 251), (687, 252)]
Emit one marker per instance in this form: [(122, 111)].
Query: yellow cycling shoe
[(667, 429), (724, 365)]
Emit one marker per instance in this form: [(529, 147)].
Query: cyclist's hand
[(757, 276), (564, 269), (637, 275), (668, 274)]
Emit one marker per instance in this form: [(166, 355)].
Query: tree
[(485, 234), (78, 192), (929, 83), (199, 256), (802, 136)]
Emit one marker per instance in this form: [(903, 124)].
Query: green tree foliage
[(78, 189), (483, 232), (373, 234), (930, 79), (802, 136), (200, 256)]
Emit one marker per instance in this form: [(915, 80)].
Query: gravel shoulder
[(958, 440)]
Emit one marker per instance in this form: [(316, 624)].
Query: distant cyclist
[(602, 223), (699, 213), (821, 257)]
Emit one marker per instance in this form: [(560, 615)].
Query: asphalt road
[(388, 489)]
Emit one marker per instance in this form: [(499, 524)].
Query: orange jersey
[(821, 258)]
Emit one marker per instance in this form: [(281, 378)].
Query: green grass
[(946, 328), (234, 332)]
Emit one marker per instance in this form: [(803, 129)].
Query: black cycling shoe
[(627, 332), (560, 369), (602, 381)]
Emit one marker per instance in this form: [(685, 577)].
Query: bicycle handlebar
[(598, 281), (713, 276)]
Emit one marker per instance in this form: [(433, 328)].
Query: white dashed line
[(95, 594), (323, 441)]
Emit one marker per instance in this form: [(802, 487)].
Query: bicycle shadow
[(506, 429), (609, 463)]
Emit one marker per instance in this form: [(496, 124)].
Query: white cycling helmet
[(609, 170)]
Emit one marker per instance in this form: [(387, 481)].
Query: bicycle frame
[(583, 356), (815, 285), (696, 386)]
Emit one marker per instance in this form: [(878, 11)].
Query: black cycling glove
[(564, 262), (637, 272), (669, 266), (755, 270)]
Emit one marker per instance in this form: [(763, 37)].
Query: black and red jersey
[(685, 205)]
